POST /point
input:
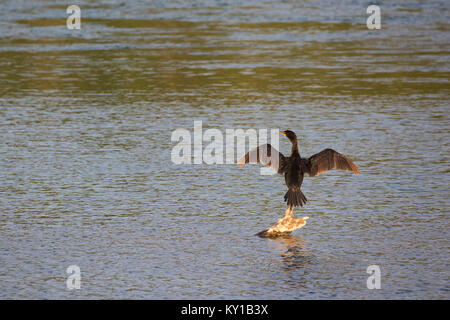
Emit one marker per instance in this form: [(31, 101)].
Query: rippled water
[(86, 118)]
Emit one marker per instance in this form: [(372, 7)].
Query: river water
[(86, 177)]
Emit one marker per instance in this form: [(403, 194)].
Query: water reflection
[(293, 251), (295, 262)]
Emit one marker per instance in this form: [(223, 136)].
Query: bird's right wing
[(267, 155), (327, 160)]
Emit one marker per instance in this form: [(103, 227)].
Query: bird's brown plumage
[(327, 160), (294, 167), (265, 154)]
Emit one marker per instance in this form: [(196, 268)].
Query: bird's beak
[(282, 132)]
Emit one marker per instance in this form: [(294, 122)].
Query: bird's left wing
[(327, 160), (267, 155)]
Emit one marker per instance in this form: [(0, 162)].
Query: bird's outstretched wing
[(327, 160), (267, 155)]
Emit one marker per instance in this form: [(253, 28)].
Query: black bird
[(294, 167)]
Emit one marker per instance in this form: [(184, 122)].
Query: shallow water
[(86, 118)]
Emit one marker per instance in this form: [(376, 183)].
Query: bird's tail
[(295, 198)]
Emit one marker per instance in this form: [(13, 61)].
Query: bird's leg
[(289, 212)]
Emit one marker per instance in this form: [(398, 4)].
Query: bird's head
[(290, 134)]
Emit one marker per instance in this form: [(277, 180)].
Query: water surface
[(86, 118)]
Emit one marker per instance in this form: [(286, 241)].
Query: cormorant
[(294, 167)]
